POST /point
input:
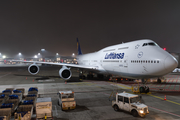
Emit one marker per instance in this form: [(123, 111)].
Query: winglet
[(78, 48)]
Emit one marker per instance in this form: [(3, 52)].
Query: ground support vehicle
[(20, 90), (20, 96), (66, 100), (3, 98), (11, 89), (33, 90), (24, 112), (11, 103), (30, 100), (44, 108), (130, 103), (7, 92), (5, 114)]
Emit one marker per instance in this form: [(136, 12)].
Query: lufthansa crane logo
[(140, 54)]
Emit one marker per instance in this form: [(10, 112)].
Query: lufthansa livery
[(141, 59)]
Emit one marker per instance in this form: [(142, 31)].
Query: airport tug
[(66, 100), (130, 103)]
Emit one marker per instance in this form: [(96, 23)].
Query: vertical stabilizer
[(78, 48)]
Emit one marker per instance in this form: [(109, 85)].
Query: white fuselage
[(137, 59)]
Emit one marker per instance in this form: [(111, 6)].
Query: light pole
[(43, 56)]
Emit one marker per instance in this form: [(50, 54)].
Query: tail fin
[(78, 48)]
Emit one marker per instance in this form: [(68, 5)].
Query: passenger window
[(151, 61), (120, 98), (154, 61), (126, 100), (148, 61), (158, 61), (145, 44)]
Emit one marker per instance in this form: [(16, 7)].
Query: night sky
[(26, 26)]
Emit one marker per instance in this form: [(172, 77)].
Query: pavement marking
[(124, 86), (164, 111), (163, 99), (5, 75)]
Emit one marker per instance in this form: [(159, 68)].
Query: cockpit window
[(150, 44)]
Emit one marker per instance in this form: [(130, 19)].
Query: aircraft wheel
[(142, 89)]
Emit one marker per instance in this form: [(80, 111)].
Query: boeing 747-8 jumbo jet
[(141, 59)]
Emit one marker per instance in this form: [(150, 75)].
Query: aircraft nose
[(170, 63)]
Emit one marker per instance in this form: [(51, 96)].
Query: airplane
[(140, 59)]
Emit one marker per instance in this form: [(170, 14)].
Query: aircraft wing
[(60, 64)]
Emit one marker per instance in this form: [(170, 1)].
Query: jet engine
[(65, 73), (33, 69)]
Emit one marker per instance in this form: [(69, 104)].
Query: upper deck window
[(150, 44)]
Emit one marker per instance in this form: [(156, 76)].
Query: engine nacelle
[(65, 73), (33, 69)]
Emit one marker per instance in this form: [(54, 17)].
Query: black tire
[(147, 89), (116, 108), (142, 90), (159, 81), (134, 113)]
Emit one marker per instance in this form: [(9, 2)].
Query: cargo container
[(5, 114), (20, 96), (3, 98), (30, 100), (11, 89), (33, 90), (24, 112), (7, 92), (15, 103), (21, 89)]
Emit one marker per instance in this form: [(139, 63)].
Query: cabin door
[(125, 67)]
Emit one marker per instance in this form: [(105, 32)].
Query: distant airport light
[(0, 53), (39, 54), (73, 54), (42, 49), (4, 56), (57, 54), (19, 54), (35, 56), (164, 49)]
